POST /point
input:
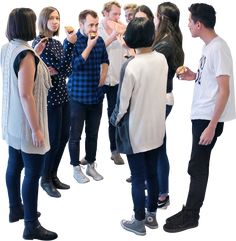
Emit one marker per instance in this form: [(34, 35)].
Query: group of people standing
[(52, 112)]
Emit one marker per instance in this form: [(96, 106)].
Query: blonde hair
[(130, 5), (107, 6)]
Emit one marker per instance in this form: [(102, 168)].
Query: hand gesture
[(92, 39), (184, 73), (71, 37), (40, 46), (52, 71)]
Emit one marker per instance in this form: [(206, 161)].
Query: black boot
[(38, 232), (17, 213), (58, 184), (49, 188), (183, 220)]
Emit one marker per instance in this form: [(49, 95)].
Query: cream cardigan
[(15, 127)]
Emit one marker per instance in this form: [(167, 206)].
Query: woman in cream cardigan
[(26, 81)]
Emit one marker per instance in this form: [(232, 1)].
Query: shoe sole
[(62, 188), (179, 229), (101, 178), (81, 182), (56, 195), (151, 226), (131, 230), (164, 206), (117, 162)]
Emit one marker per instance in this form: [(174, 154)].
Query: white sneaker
[(91, 171), (79, 175)]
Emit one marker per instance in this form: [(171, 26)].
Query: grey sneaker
[(79, 175), (91, 171), (134, 226), (150, 220), (83, 161), (116, 157)]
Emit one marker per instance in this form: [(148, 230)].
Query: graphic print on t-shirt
[(200, 69)]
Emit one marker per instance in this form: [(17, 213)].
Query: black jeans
[(111, 94), (59, 127), (33, 164), (198, 167), (91, 116)]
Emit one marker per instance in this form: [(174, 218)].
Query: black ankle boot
[(58, 184), (50, 189), (183, 220), (18, 213), (38, 232)]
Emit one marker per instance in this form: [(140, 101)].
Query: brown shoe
[(83, 161), (129, 179), (116, 157)]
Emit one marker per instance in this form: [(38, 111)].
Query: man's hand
[(207, 136)]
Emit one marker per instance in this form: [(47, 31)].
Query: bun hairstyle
[(170, 11), (140, 33)]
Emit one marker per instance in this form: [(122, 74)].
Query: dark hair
[(140, 33), (83, 15), (21, 24), (145, 9), (43, 22), (168, 15), (203, 13)]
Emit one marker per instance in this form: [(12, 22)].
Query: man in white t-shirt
[(213, 104), (110, 29)]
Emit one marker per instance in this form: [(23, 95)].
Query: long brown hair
[(168, 15)]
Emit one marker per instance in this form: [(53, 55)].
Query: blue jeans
[(198, 167), (111, 94), (91, 116), (33, 164), (143, 167), (59, 127), (163, 166)]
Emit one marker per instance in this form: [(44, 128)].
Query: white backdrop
[(94, 210)]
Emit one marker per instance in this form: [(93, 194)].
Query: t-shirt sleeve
[(19, 58)]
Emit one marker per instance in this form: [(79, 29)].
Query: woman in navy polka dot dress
[(58, 58)]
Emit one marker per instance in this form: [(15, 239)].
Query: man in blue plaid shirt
[(89, 70)]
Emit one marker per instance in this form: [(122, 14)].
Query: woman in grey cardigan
[(26, 81)]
